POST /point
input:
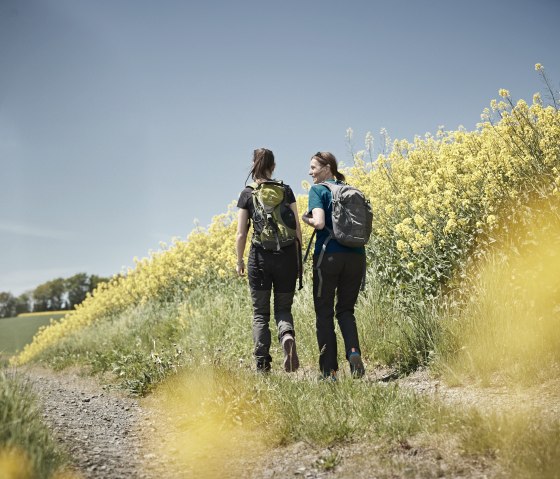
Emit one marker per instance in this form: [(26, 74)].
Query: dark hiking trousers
[(271, 271), (341, 275)]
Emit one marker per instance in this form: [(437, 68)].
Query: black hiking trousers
[(268, 272), (340, 276)]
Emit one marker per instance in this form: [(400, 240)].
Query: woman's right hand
[(315, 218)]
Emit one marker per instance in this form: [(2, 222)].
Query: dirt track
[(99, 429), (104, 431)]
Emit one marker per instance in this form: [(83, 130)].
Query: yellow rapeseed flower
[(537, 100), (401, 246), (419, 220)]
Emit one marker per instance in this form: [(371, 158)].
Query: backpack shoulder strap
[(272, 182), (332, 186)]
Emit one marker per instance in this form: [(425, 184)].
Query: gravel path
[(99, 429), (105, 433)]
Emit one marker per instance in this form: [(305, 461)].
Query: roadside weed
[(26, 448)]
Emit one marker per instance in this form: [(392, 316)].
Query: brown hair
[(263, 164), (326, 158)]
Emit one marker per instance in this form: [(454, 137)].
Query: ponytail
[(263, 164)]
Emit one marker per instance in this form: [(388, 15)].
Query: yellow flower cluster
[(437, 201)]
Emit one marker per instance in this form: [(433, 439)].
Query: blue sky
[(124, 121)]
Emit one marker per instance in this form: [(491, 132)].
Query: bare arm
[(316, 220), (241, 239), (293, 207)]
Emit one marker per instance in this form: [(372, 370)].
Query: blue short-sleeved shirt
[(321, 197)]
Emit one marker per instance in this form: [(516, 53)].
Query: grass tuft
[(26, 449)]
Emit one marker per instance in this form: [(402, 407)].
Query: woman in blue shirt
[(339, 274)]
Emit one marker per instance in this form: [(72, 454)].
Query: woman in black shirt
[(267, 269)]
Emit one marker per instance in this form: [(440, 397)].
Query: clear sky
[(123, 121)]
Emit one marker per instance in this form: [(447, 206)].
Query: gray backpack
[(352, 219), (352, 216)]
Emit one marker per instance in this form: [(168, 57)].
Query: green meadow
[(18, 331)]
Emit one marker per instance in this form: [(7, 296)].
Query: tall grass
[(509, 327), (526, 445), (504, 325), (212, 325), (26, 448)]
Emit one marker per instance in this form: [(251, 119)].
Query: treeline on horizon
[(59, 294)]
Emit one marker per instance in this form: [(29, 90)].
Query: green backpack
[(274, 222)]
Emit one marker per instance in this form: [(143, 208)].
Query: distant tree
[(95, 280), (57, 294), (7, 305), (77, 287), (23, 303), (50, 296), (41, 297)]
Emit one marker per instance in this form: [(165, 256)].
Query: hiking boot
[(331, 377), (263, 367), (357, 368), (291, 360)]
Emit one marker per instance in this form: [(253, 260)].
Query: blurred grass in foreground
[(510, 329), (214, 419), (244, 416), (26, 448)]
